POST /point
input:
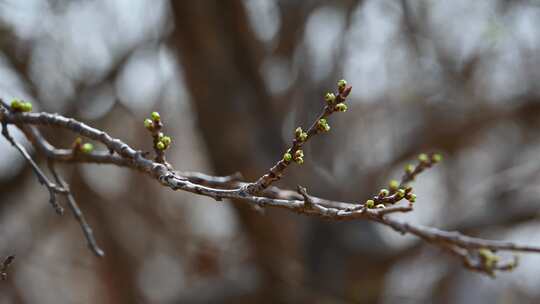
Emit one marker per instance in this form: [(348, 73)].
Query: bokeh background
[(232, 80)]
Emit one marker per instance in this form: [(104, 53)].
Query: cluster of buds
[(79, 146), (300, 135), (163, 142), (488, 258), (338, 102), (154, 125), (427, 160), (21, 106), (298, 156), (322, 125)]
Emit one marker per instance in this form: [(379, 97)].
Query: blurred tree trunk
[(220, 57)]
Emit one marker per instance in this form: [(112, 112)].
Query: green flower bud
[(436, 158), (148, 124), (87, 148), (423, 158), (299, 160), (330, 98), (298, 154), (342, 84), (323, 125), (341, 107), (160, 145), (393, 184), (488, 258), (155, 116), (166, 140), (384, 193), (160, 136), (287, 157), (400, 193), (409, 169), (26, 107), (16, 105), (370, 204), (411, 197), (300, 134)]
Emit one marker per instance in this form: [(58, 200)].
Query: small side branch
[(43, 180), (77, 213)]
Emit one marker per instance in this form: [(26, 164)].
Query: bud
[(87, 148), (409, 169), (323, 125), (155, 116), (330, 98), (166, 140), (436, 158), (16, 105), (342, 84), (160, 145), (423, 158), (411, 197), (341, 107), (300, 135), (148, 124), (370, 204), (384, 193), (26, 107), (287, 157), (393, 184)]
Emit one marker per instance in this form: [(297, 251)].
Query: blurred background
[(232, 80)]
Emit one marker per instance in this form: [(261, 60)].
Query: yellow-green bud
[(436, 158), (423, 158), (409, 169), (323, 125), (393, 184), (300, 134), (148, 124), (160, 145), (26, 107), (299, 160), (488, 257), (384, 193), (87, 148), (370, 204), (155, 116), (160, 135), (411, 197), (287, 157), (166, 140), (342, 84), (298, 154), (341, 107), (330, 98), (16, 105), (400, 193)]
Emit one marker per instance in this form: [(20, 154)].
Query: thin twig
[(77, 213), (43, 180)]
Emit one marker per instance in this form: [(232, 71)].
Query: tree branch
[(477, 254)]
